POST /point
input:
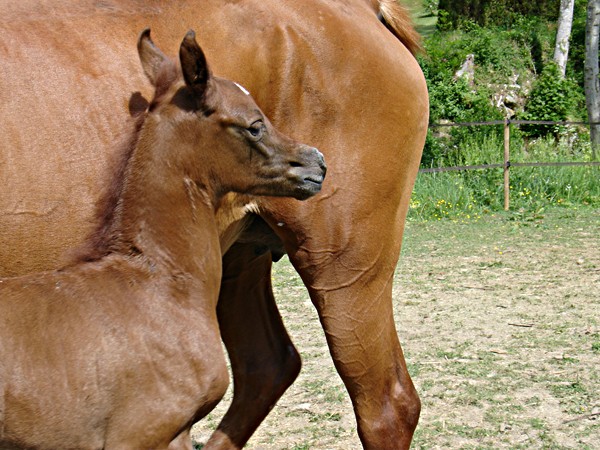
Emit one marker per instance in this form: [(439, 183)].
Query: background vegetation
[(512, 76)]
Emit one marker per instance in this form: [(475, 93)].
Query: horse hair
[(397, 19), (103, 239)]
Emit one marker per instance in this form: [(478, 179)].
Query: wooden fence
[(506, 165)]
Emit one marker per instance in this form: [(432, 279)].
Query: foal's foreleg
[(263, 359)]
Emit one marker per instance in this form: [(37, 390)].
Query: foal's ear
[(193, 64), (150, 56)]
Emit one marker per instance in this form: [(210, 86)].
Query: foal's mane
[(104, 237)]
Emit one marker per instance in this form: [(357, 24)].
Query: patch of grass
[(468, 195), (322, 389), (323, 417), (302, 446)]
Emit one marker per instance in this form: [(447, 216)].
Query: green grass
[(468, 195)]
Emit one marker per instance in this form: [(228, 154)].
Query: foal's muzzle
[(310, 172)]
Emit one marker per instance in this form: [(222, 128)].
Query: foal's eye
[(256, 130)]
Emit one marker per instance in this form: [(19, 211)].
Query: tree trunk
[(592, 73), (563, 34)]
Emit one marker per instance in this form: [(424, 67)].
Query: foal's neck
[(163, 213)]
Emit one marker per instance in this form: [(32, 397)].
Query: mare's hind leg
[(350, 283), (263, 359)]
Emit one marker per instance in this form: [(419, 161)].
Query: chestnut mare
[(328, 72), (122, 349)]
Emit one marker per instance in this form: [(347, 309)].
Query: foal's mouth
[(311, 185), (314, 180)]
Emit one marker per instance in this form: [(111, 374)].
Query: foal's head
[(223, 140)]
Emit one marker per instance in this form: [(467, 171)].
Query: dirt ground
[(500, 323)]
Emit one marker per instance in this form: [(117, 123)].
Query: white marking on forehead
[(242, 88)]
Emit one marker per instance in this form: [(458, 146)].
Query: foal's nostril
[(295, 164)]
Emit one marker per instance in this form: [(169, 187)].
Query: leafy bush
[(552, 98), (458, 99)]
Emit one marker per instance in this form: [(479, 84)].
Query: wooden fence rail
[(506, 165)]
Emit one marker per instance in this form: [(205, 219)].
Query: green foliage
[(462, 100), (430, 7), (456, 101), (496, 52), (552, 98), (512, 43), (500, 54), (455, 14)]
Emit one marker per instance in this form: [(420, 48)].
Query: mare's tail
[(397, 19)]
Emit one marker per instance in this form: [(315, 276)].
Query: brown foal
[(121, 349)]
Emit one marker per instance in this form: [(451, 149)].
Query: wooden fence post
[(506, 164)]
